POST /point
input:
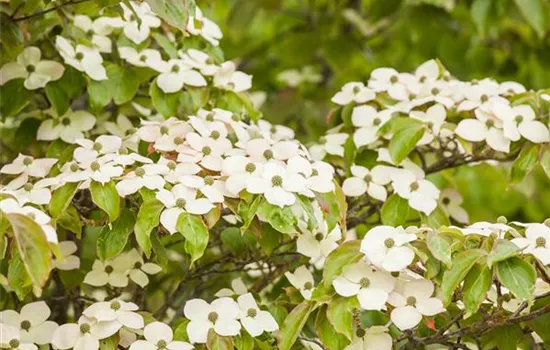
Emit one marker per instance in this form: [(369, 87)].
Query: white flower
[(371, 287), (36, 73), (148, 175), (137, 268), (385, 247), (295, 77), (318, 242), (413, 301), (90, 150), (421, 194), (511, 88), (254, 320), (330, 144), (370, 181), (69, 261), (368, 121), (373, 338), (200, 25), (83, 336), (427, 72), (302, 280), (68, 128), (482, 93), (221, 315), (124, 129), (145, 58), (277, 184), (353, 92), (31, 323), (117, 311), (175, 74), (108, 272), (138, 31), (151, 114), (536, 242), (151, 131), (237, 288), (177, 171), (261, 150), (180, 199), (37, 193), (10, 338), (97, 30), (275, 132), (240, 171), (484, 228), (433, 118), (159, 336), (28, 166), (198, 60), (229, 78), (212, 188), (11, 206), (319, 175), (101, 170), (520, 121), (82, 58), (397, 85), (451, 203)]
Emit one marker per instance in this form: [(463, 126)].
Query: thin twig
[(51, 9)]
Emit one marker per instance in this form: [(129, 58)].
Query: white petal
[(471, 130), (406, 317), (372, 299)]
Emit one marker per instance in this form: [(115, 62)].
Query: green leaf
[(404, 140), (536, 14), (18, 277), (518, 276), (58, 98), (394, 211), (480, 10), (293, 325), (147, 219), (476, 285), (33, 248), (13, 97), (233, 240), (244, 341), (507, 337), (545, 160), (440, 246), (161, 255), (70, 220), (106, 197), (502, 250), (175, 12), (196, 234), (217, 342), (247, 211), (524, 163), (281, 219), (180, 333), (111, 241), (166, 104), (62, 197), (346, 254), (340, 315), (462, 263), (327, 334), (436, 219), (269, 239)]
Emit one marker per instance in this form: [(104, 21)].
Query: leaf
[(180, 333), (244, 341), (58, 98), (196, 234), (340, 315), (233, 240), (175, 12), (111, 241), (536, 14), (269, 238), (502, 250), (394, 211), (518, 276), (13, 97), (106, 197), (479, 11), (436, 219), (247, 211), (462, 264), (476, 285), (217, 342), (70, 220), (33, 248), (281, 219), (166, 104), (161, 255), (524, 163), (62, 197), (327, 334), (507, 337), (346, 254), (147, 219), (440, 246), (545, 160), (18, 277), (404, 140), (293, 325)]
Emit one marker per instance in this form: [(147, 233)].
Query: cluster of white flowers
[(30, 327)]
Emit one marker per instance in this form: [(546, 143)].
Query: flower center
[(251, 313), (79, 56), (178, 140), (235, 117), (123, 151), (161, 344), (435, 91), (356, 90), (97, 146), (273, 129), (389, 242), (164, 130), (213, 317), (412, 96), (109, 269), (180, 203), (140, 172), (540, 242), (142, 58), (171, 165), (502, 220), (376, 121), (314, 172), (319, 236), (26, 325), (394, 79), (446, 201), (175, 68), (368, 178), (276, 180), (484, 98), (27, 161), (27, 187), (66, 121), (308, 285), (411, 301), (31, 68), (518, 119), (422, 79), (490, 123), (115, 305), (360, 332), (268, 154), (84, 328), (215, 134), (414, 186), (250, 167), (364, 282), (209, 180), (206, 150), (74, 167), (95, 166), (137, 265), (14, 343)]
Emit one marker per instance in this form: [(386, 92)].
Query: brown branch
[(51, 9)]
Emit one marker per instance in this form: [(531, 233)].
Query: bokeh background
[(302, 51)]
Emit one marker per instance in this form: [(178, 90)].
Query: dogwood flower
[(148, 175), (159, 336), (97, 30), (412, 302), (369, 121), (138, 30), (37, 193), (520, 121), (397, 85), (26, 166), (198, 60), (145, 58), (221, 315), (536, 242), (175, 74), (84, 335), (100, 170), (330, 144), (237, 288), (240, 171), (137, 268), (277, 184), (370, 181), (90, 150), (37, 73), (486, 127), (11, 206), (200, 25), (318, 242), (275, 132), (31, 323), (261, 150), (124, 129), (181, 199), (254, 320), (174, 138), (229, 78), (70, 127), (373, 338), (117, 311), (353, 92), (176, 170), (82, 58), (109, 272), (211, 187), (69, 261), (372, 287), (319, 175), (206, 150), (302, 280), (433, 118), (421, 194), (10, 338), (482, 93), (385, 247), (451, 201)]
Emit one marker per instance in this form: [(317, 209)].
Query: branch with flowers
[(151, 207)]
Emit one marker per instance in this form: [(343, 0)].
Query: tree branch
[(43, 12)]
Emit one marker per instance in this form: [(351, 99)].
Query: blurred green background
[(327, 43)]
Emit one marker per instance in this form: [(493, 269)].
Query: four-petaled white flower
[(200, 25), (148, 175), (221, 315), (450, 202), (98, 30), (302, 279), (370, 181), (229, 78), (373, 338), (368, 121), (84, 335), (385, 247), (254, 320), (536, 242), (31, 323), (83, 58), (520, 121), (10, 338), (26, 166), (135, 29), (137, 268), (12, 206), (237, 288), (37, 73), (353, 92), (117, 311), (421, 194), (69, 261), (159, 336), (109, 272), (70, 127), (175, 74)]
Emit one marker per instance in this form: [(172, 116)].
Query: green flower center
[(308, 285), (27, 161), (414, 186), (319, 236), (314, 172), (143, 58), (268, 154), (411, 301), (164, 130), (484, 98), (161, 344), (14, 343), (368, 178), (209, 180), (209, 117), (422, 79), (215, 134), (394, 79), (235, 117), (84, 328), (79, 56), (360, 332), (95, 166), (175, 68), (518, 119), (206, 150), (31, 68), (540, 242), (213, 317), (178, 140), (171, 165), (26, 325), (435, 91), (356, 89), (276, 180), (502, 220), (250, 167), (140, 172), (364, 282), (28, 187), (180, 203), (389, 242), (66, 121), (115, 305), (251, 313), (490, 123), (376, 121), (138, 265), (109, 269), (412, 96), (445, 201)]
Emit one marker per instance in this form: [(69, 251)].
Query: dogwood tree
[(146, 205)]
